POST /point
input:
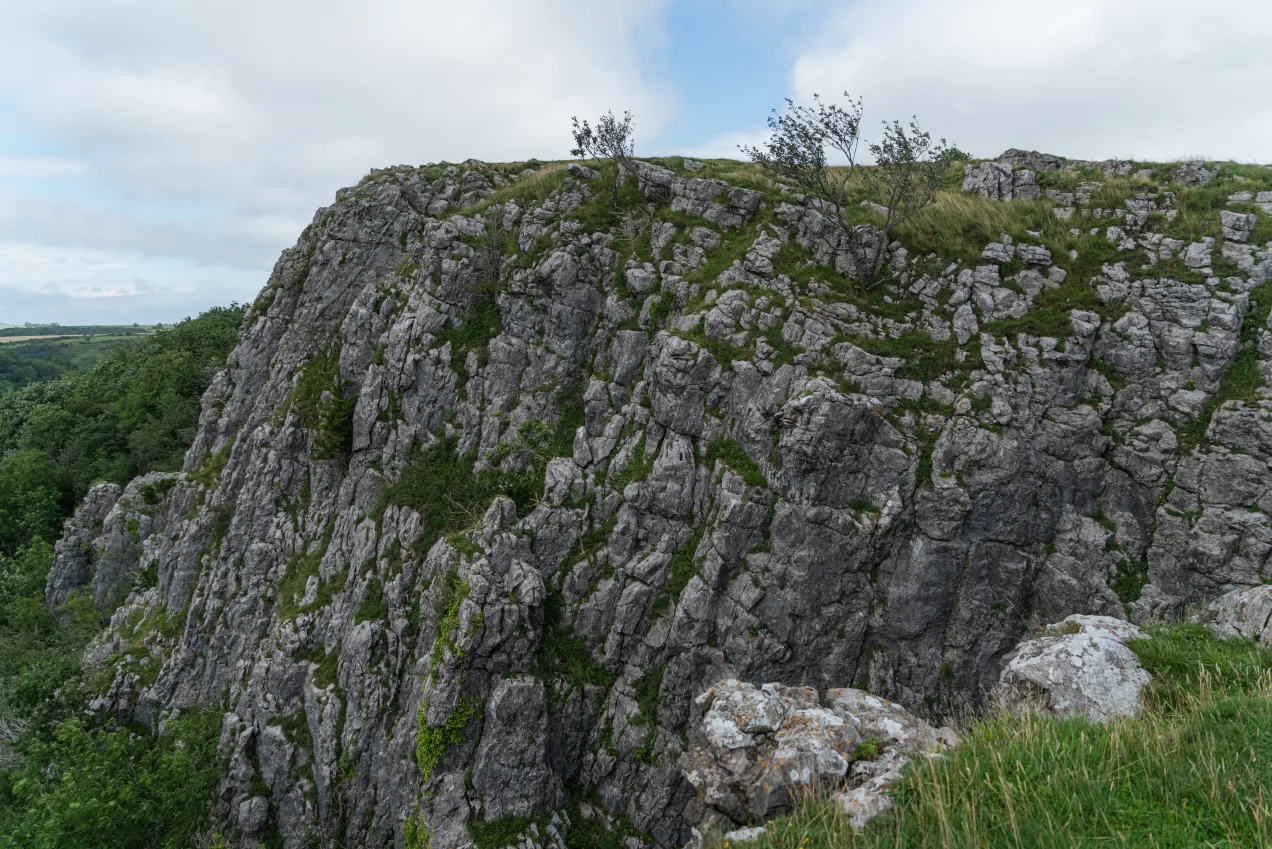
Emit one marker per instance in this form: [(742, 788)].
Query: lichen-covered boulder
[(1242, 613), (1079, 667), (759, 746)]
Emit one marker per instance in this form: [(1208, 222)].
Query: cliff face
[(494, 485)]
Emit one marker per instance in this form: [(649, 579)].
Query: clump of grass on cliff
[(1195, 769)]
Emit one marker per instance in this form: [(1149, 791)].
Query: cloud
[(39, 168), (726, 145), (88, 286), (212, 131), (1088, 78)]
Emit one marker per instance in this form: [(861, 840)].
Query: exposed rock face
[(1242, 613), (461, 539), (1000, 181), (1195, 173), (104, 544), (1082, 667), (760, 747), (1031, 160)]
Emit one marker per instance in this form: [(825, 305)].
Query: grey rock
[(999, 181), (716, 480), (582, 172), (1032, 160), (1246, 614), (1237, 226), (1083, 669), (761, 747), (1195, 173), (253, 815)]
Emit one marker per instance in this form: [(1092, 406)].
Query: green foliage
[(90, 330), (105, 788), (564, 662), (24, 363), (432, 743), (730, 452), (69, 783), (320, 402), (1192, 770), (647, 690), (722, 352), (481, 324), (302, 566), (39, 650), (29, 508), (134, 412), (683, 566), (373, 607), (442, 487), (1130, 580), (503, 832), (925, 358), (637, 468), (1242, 380)]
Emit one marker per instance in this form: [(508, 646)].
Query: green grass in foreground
[(1194, 770)]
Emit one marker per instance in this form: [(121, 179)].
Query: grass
[(925, 358), (730, 452), (442, 487), (1194, 770)]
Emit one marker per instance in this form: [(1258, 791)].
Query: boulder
[(1195, 173), (1242, 613), (1079, 667), (1237, 226)]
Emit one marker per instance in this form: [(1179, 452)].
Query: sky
[(157, 155)]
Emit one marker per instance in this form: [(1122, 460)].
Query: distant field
[(29, 359), (36, 331), (7, 339)]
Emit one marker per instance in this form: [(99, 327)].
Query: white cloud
[(212, 131), (39, 167), (726, 145), (1152, 79)]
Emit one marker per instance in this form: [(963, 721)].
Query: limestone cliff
[(498, 480)]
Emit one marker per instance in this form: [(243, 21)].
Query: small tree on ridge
[(907, 173), (611, 139)]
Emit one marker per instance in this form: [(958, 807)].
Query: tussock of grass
[(1195, 769), (957, 226)]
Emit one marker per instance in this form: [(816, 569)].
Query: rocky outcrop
[(1195, 173), (760, 748), (1080, 667), (1000, 181), (464, 531), (103, 545)]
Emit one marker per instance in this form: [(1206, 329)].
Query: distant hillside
[(75, 329), (25, 362)]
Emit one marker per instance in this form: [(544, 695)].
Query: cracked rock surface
[(497, 483)]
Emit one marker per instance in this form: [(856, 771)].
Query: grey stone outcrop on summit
[(728, 465), (1000, 181)]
